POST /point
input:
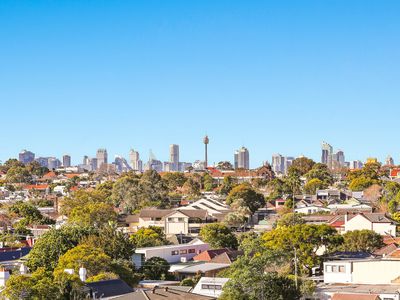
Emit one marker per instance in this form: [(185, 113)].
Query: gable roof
[(170, 293), (109, 288), (14, 255), (355, 297), (208, 255)]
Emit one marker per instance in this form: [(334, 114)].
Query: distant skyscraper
[(135, 161), (93, 163), (242, 160), (66, 161), (26, 156), (389, 161), (174, 157), (287, 163), (53, 163), (86, 160), (102, 157), (327, 152), (355, 165), (206, 140), (43, 161), (278, 163)]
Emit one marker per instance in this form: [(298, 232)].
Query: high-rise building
[(102, 157), (287, 163), (278, 163), (53, 163), (154, 164), (327, 152), (174, 157), (26, 156), (121, 164), (93, 163), (389, 161), (355, 165), (86, 160), (66, 161), (241, 158), (43, 161), (135, 161)]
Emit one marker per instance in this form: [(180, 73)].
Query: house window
[(328, 269), (211, 287), (181, 219), (335, 269), (170, 219), (342, 269), (175, 252), (183, 252), (192, 250)]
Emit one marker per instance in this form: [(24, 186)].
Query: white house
[(188, 221), (171, 253), (210, 286), (311, 209), (377, 222)]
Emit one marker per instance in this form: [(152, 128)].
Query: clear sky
[(275, 76)]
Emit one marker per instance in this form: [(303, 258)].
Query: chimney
[(69, 271), (4, 275), (346, 217), (23, 270), (82, 273)]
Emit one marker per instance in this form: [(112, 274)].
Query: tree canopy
[(218, 236)]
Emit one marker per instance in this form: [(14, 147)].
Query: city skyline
[(275, 77), (174, 157)]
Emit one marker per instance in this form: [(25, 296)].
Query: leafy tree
[(306, 239), (156, 268), (362, 240), (174, 180), (29, 213), (80, 198), (293, 181), (54, 243), (251, 243), (302, 164), (253, 278), (238, 217), (218, 236), (191, 187), (132, 192), (224, 165), (105, 189), (40, 285), (227, 185), (18, 174), (361, 183), (208, 182), (102, 276), (112, 241), (290, 219), (93, 259), (92, 214), (276, 188), (36, 169), (321, 172), (248, 197), (149, 237), (313, 185)]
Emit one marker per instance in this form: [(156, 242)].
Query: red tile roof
[(51, 174), (208, 255), (36, 186)]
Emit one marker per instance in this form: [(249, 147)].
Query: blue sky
[(275, 76)]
